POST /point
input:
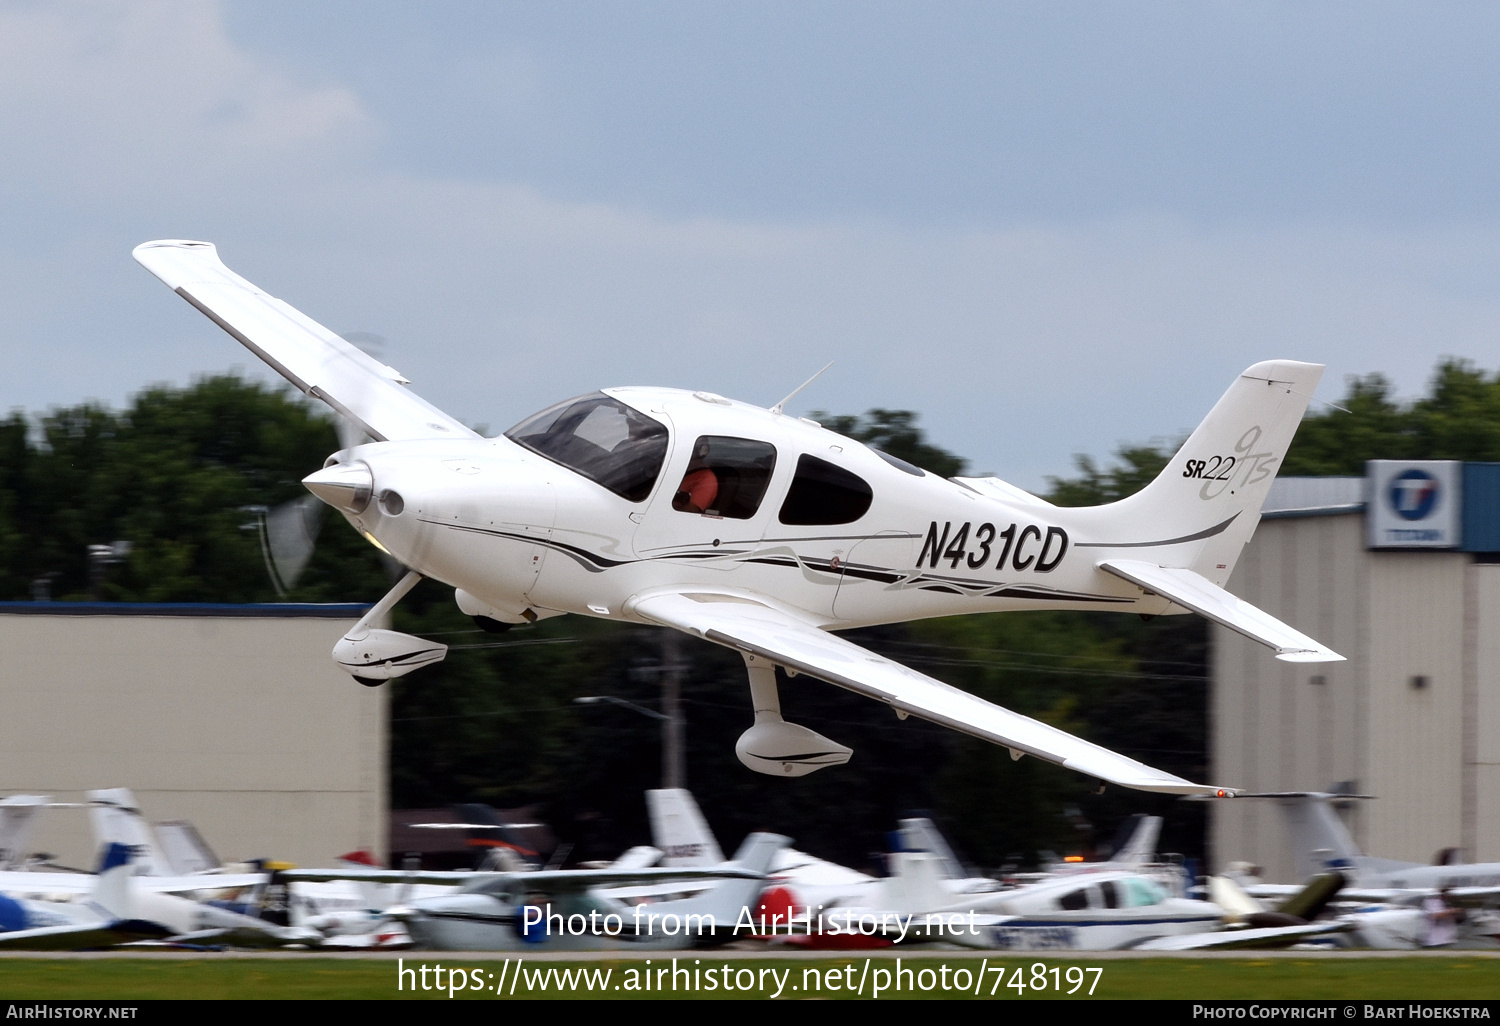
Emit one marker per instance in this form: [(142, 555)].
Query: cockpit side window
[(726, 477), (600, 438), (1074, 901), (1140, 891), (822, 493)]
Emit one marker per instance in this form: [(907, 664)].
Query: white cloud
[(109, 98), (1018, 346)]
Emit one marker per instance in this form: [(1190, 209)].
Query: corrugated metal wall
[(1413, 716), (242, 725)]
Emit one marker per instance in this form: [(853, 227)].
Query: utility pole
[(673, 758)]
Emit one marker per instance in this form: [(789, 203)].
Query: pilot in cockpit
[(700, 485)]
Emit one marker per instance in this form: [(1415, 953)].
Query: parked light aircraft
[(184, 865), (1249, 924), (758, 531), (929, 897), (1392, 891), (679, 830), (1321, 842), (571, 909), (117, 909)]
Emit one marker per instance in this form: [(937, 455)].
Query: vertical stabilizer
[(732, 898), (679, 829), (1201, 510), (18, 819), (112, 895), (1320, 841), (921, 834), (185, 849), (915, 884), (117, 820), (1139, 848)]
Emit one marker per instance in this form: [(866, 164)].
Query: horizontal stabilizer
[(1193, 591), (317, 361)]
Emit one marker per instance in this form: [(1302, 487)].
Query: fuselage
[(837, 531), (1096, 912)]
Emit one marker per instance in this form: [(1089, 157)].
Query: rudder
[(1205, 505)]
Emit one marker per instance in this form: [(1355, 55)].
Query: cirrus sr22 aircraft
[(759, 531)]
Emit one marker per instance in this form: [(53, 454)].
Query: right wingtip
[(172, 244)]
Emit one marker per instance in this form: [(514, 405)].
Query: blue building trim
[(1481, 515)]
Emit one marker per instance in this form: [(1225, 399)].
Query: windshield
[(600, 438)]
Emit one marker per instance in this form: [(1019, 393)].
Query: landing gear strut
[(774, 746), (373, 655)]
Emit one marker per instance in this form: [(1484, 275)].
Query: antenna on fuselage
[(777, 408)]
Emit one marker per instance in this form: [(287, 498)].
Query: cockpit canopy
[(602, 439)]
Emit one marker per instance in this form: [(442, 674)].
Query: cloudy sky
[(1050, 228)]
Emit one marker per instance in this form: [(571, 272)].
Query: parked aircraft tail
[(112, 895), (731, 899), (920, 834), (18, 819), (679, 830), (1139, 845), (118, 820), (1320, 841)]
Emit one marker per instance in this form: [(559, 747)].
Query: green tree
[(172, 474), (895, 433), (1136, 467), (1458, 419)]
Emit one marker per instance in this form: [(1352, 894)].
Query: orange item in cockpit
[(697, 492)]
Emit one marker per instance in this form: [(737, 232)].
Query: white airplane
[(1392, 891), (575, 909), (798, 880), (758, 531), (118, 907), (184, 865), (18, 819), (1321, 843)]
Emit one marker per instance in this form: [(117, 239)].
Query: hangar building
[(1399, 571), (232, 717)]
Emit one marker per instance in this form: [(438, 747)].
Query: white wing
[(297, 347), (23, 882), (1262, 937), (753, 626)]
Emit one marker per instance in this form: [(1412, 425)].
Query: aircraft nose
[(346, 486)]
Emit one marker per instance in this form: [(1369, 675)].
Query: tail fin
[(1320, 841), (117, 820), (1201, 510), (726, 902), (112, 893), (679, 830), (1309, 903), (915, 884), (921, 834), (18, 818), (185, 849), (1139, 846)]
